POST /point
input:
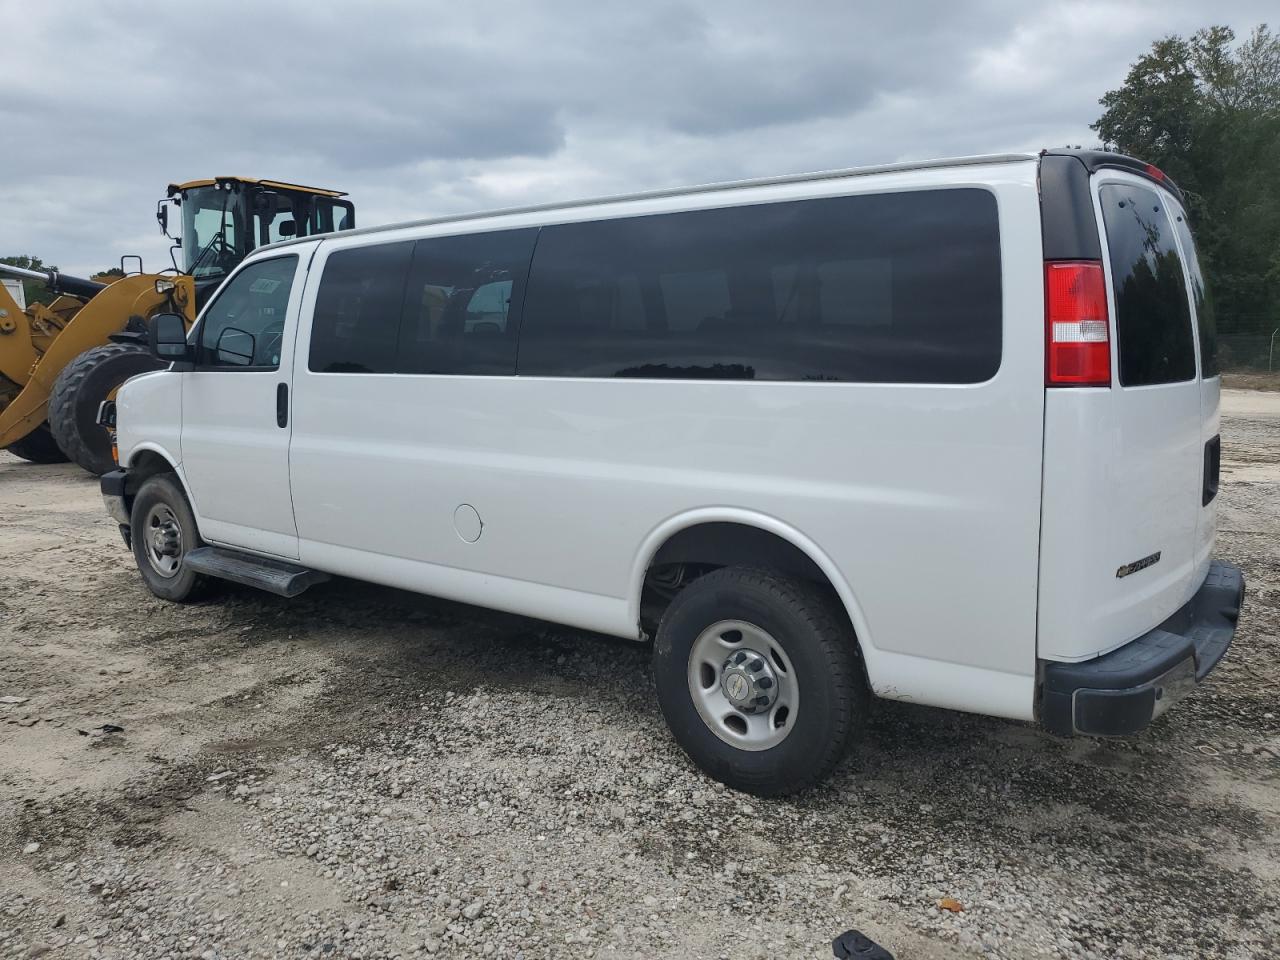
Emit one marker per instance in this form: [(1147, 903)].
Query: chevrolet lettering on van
[(1137, 565)]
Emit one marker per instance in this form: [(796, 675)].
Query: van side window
[(357, 313), (901, 287), (1153, 316), (1206, 319), (462, 303), (244, 325)]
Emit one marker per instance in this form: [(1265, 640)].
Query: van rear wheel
[(757, 676)]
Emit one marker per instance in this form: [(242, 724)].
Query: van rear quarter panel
[(923, 500), (1123, 475)]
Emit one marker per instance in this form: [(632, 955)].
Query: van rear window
[(1153, 317)]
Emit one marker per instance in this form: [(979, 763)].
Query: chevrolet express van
[(944, 432)]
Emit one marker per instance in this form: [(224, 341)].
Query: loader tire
[(78, 392), (38, 446)]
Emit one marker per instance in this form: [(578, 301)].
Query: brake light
[(1077, 338), (1155, 173)]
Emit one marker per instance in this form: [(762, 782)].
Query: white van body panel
[(1122, 482), (149, 411), (1210, 427), (1099, 469), (236, 457), (921, 501)]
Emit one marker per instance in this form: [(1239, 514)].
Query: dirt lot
[(366, 773), (1252, 381)]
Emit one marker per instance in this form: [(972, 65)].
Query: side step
[(275, 576)]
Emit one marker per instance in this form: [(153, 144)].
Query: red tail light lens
[(1077, 338)]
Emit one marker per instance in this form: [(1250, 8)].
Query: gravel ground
[(366, 773)]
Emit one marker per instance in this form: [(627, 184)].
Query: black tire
[(813, 632), (38, 446), (159, 495), (78, 392)]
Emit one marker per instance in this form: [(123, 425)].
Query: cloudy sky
[(422, 108)]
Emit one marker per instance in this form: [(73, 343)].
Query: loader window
[(276, 217), (329, 215), (244, 325), (212, 233)]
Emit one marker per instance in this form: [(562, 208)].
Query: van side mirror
[(167, 338), (235, 347)]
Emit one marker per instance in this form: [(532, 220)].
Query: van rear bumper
[(1123, 691)]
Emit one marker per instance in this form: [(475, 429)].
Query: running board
[(275, 576)]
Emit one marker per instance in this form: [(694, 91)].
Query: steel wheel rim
[(751, 726), (162, 540)]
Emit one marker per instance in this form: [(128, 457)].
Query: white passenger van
[(941, 432)]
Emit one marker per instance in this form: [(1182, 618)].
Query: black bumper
[(114, 497), (113, 483), (1123, 691)]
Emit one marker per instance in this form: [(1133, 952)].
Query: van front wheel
[(162, 531), (757, 676)]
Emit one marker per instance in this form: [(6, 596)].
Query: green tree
[(1206, 110)]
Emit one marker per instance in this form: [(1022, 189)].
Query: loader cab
[(225, 219)]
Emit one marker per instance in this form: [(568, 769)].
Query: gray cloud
[(420, 108)]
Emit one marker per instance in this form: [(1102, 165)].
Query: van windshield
[(1153, 316)]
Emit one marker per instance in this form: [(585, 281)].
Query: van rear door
[(1123, 542)]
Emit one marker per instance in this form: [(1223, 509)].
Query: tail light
[(1077, 338)]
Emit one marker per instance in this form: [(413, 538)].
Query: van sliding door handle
[(282, 404)]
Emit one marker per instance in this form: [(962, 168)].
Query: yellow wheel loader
[(60, 361)]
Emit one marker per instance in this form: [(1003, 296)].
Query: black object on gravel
[(854, 945)]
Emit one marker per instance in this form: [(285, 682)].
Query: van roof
[(1095, 160), (679, 192)]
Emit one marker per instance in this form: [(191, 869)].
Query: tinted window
[(244, 325), (1153, 317), (458, 308), (357, 314), (891, 288), (1205, 318)]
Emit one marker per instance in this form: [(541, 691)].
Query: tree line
[(1206, 111)]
